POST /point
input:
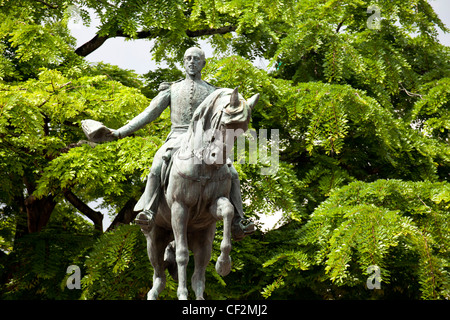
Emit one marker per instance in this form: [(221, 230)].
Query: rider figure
[(183, 96)]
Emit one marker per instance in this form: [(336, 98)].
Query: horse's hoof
[(152, 296), (145, 220), (223, 266), (182, 293)]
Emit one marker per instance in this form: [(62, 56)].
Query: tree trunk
[(38, 212), (22, 218)]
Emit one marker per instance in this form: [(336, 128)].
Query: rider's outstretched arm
[(153, 111)]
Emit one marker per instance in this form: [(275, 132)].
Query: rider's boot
[(241, 227)]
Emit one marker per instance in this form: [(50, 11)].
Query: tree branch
[(98, 41), (95, 216), (91, 45), (209, 32), (411, 94), (76, 144), (51, 6), (125, 215), (339, 26)]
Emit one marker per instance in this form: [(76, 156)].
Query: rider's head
[(194, 61)]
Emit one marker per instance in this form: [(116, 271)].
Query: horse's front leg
[(224, 210), (201, 243), (179, 227)]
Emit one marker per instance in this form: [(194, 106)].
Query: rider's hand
[(113, 134)]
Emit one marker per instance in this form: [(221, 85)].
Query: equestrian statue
[(192, 183)]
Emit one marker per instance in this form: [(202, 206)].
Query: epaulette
[(166, 85), (215, 87)]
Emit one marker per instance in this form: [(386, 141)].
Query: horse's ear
[(234, 99), (253, 101)]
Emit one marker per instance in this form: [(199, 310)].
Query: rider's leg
[(240, 226), (150, 198)]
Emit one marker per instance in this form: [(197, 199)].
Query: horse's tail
[(170, 261)]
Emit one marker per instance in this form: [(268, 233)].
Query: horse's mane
[(208, 109), (209, 112)]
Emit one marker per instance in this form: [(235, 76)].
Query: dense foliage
[(364, 159)]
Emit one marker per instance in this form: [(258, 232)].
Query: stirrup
[(242, 228), (247, 226)]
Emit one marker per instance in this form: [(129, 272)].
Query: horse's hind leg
[(201, 245), (157, 240), (223, 209)]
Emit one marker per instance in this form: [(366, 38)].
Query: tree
[(36, 268), (363, 121), (400, 227)]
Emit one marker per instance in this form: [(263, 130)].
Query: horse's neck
[(190, 155), (196, 138)]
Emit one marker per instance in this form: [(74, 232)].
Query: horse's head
[(229, 120)]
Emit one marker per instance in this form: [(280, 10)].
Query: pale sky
[(135, 55)]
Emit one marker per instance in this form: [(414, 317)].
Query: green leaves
[(432, 111), (362, 224), (101, 170), (363, 229), (118, 259), (291, 260), (27, 46), (40, 260), (32, 39), (362, 116), (40, 118)]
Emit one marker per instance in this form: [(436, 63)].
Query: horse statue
[(196, 182)]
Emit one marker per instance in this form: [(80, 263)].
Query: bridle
[(215, 128)]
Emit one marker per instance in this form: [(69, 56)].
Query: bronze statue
[(191, 183)]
